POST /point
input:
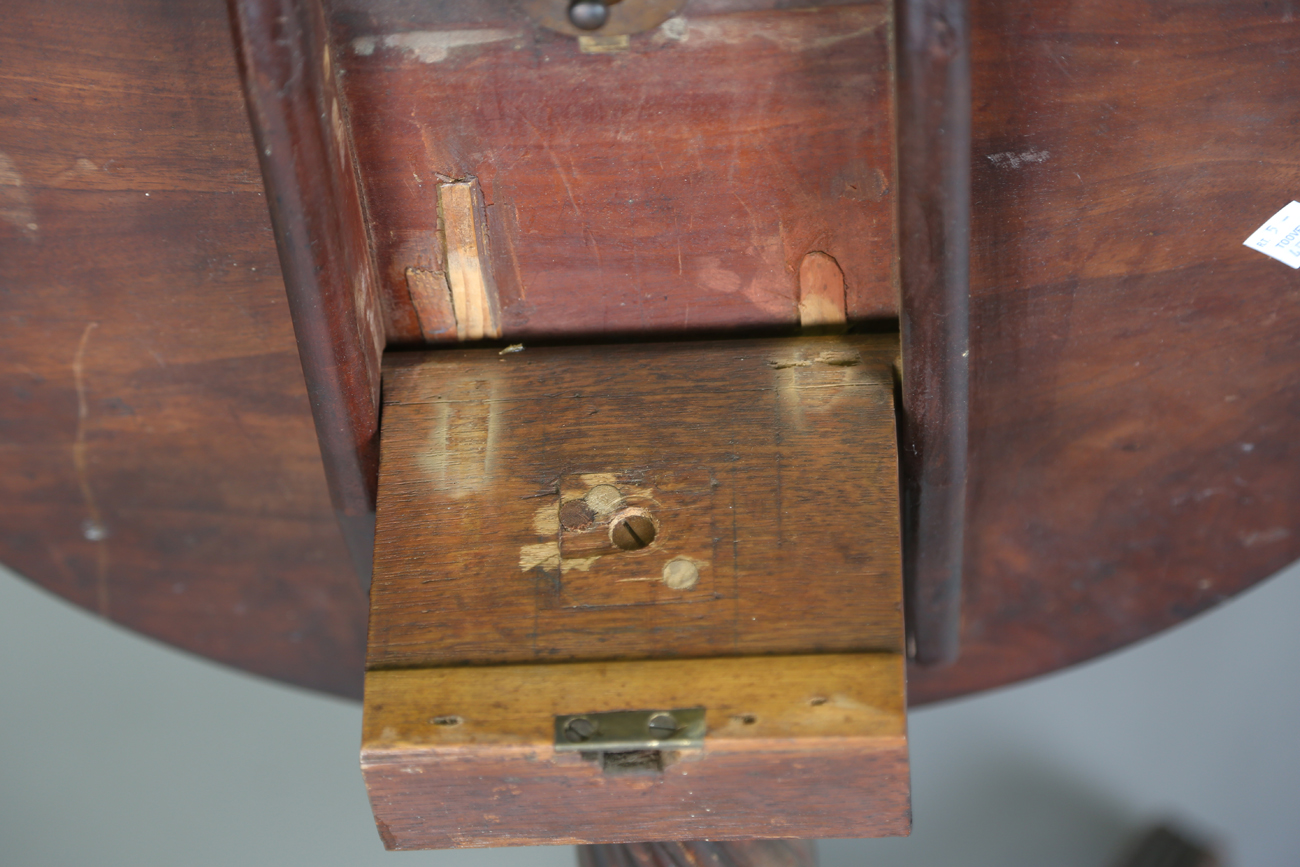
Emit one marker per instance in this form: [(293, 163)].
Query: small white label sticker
[(1280, 236)]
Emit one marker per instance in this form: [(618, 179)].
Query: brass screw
[(662, 725), (632, 532), (579, 729)]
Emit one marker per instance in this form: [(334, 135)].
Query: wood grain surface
[(305, 147), (465, 756), (1133, 367), (1135, 373), (934, 121), (767, 468), (674, 186), (158, 462)]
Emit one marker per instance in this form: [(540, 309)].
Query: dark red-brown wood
[(158, 462), (934, 117), (304, 144), (1135, 370), (672, 187), (1134, 386)]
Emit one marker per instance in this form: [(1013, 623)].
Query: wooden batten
[(458, 301), (431, 297), (304, 143), (934, 149)]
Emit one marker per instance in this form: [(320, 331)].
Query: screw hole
[(818, 701), (745, 719), (632, 532), (449, 720)]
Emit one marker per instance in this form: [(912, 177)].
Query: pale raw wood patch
[(821, 291), (432, 300), (603, 44), (469, 273)]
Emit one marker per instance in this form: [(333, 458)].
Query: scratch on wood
[(543, 140), (677, 237), (832, 358), (93, 528), (509, 240), (80, 168), (568, 189), (792, 33), (15, 202), (1011, 160)]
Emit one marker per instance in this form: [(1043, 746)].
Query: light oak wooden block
[(686, 525)]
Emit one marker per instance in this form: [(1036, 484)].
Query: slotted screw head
[(662, 725), (632, 532), (579, 729)]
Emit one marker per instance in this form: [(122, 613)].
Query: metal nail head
[(588, 14)]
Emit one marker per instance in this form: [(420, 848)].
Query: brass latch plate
[(625, 731)]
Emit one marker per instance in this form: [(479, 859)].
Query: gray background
[(115, 750)]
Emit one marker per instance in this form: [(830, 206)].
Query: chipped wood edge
[(432, 299), (463, 232), (822, 299)]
